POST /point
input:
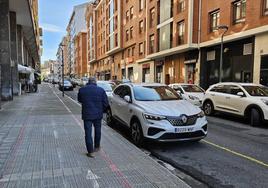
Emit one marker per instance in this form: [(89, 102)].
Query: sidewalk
[(42, 145)]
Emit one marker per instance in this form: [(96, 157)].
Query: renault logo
[(184, 119)]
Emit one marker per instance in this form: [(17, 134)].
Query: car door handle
[(213, 95), (228, 97)]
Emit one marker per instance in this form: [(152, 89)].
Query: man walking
[(94, 102)]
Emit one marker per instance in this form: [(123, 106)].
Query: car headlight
[(265, 101), (201, 114), (193, 97), (153, 117)]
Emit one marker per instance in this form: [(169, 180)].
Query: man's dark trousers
[(88, 134)]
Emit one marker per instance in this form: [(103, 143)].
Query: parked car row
[(174, 112)]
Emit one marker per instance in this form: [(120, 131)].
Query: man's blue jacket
[(94, 102)]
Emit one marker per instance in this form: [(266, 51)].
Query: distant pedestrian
[(94, 103)]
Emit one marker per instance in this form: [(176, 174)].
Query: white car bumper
[(164, 131)]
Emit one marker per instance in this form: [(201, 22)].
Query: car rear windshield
[(192, 89), (256, 91), (154, 93), (106, 86)]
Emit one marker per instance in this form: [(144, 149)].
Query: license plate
[(184, 130), (67, 87)]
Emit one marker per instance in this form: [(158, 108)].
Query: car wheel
[(109, 118), (208, 108), (255, 117), (136, 133)]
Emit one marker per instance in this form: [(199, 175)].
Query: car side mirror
[(241, 94), (127, 99)]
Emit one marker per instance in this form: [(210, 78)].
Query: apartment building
[(19, 43), (171, 41), (81, 68), (245, 43), (77, 24)]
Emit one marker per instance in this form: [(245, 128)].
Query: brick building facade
[(171, 41)]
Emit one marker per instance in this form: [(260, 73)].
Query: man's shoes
[(91, 155), (97, 149)]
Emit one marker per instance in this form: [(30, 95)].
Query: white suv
[(243, 99), (156, 111)]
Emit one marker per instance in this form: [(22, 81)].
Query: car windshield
[(66, 82), (105, 86), (257, 91), (155, 93), (192, 89)]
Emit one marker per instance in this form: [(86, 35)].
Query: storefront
[(237, 64), (159, 71), (146, 73), (130, 74)]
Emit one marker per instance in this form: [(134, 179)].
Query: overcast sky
[(54, 16)]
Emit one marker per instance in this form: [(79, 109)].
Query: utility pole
[(225, 27), (62, 67)]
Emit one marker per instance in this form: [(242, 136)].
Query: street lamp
[(225, 28), (62, 67)]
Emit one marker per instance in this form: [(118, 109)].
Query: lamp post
[(225, 28), (62, 67)]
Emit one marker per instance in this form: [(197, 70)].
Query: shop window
[(239, 10), (214, 20), (247, 49), (211, 56)]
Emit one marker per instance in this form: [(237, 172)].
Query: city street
[(234, 154)]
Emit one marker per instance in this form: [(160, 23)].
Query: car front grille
[(177, 121)]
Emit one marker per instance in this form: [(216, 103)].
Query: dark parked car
[(66, 86)]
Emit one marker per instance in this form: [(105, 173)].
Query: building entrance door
[(264, 70), (190, 73)]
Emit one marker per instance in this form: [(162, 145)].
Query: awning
[(25, 70)]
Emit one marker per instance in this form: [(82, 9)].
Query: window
[(152, 17), (220, 89), (131, 12), (265, 5), (116, 39), (140, 48), (127, 15), (131, 33), (133, 51), (127, 35), (181, 32), (141, 26), (181, 6), (128, 52), (239, 9), (151, 44), (214, 20), (141, 5)]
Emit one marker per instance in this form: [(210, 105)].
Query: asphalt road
[(234, 154)]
